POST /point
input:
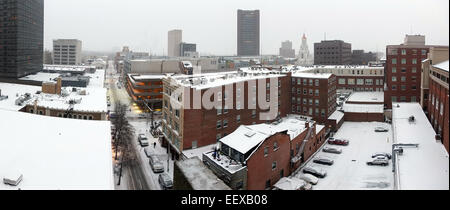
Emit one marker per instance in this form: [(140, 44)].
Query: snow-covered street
[(350, 171)]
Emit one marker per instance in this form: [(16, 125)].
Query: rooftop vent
[(412, 119), (13, 180), (250, 134)]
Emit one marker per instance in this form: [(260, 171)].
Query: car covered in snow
[(309, 178), (340, 142), (143, 141), (156, 164), (378, 162), (382, 154), (381, 129), (149, 151), (315, 171), (323, 161), (165, 181), (332, 150)]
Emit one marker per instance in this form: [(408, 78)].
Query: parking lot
[(350, 170)]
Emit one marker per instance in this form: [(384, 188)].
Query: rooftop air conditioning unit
[(13, 180)]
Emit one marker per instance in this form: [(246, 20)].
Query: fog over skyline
[(107, 25)]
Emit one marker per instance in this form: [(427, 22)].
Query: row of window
[(404, 61), (309, 112), (403, 99), (404, 52), (309, 82), (403, 78), (404, 70), (403, 87), (351, 81), (439, 107)]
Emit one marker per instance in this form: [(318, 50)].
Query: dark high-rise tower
[(21, 37), (248, 36)]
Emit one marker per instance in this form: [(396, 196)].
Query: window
[(394, 69), (414, 61), (403, 52), (311, 92), (394, 60), (342, 81), (402, 98), (266, 151), (441, 111), (194, 144), (219, 110), (413, 99), (394, 79), (414, 70), (282, 173), (403, 70), (275, 146), (299, 81), (219, 124), (238, 119), (225, 123), (268, 184), (403, 60), (424, 52), (394, 98), (369, 81), (360, 82), (225, 110), (403, 87), (317, 83), (253, 113), (351, 81), (274, 165), (317, 102), (403, 79), (218, 137), (317, 92)]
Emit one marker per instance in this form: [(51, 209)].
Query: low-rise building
[(146, 89), (256, 157)]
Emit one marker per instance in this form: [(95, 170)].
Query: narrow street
[(139, 176)]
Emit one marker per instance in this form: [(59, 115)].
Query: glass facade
[(21, 37)]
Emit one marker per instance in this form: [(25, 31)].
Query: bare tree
[(123, 137)]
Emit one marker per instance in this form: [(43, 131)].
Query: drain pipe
[(395, 152)]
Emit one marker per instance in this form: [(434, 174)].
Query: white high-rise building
[(67, 52), (175, 39), (304, 56)]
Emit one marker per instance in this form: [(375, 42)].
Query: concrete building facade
[(67, 52), (335, 52), (175, 38), (248, 32), (286, 50), (21, 39)]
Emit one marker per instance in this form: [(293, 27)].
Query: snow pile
[(290, 184), (55, 153)]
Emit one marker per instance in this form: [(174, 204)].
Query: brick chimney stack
[(58, 86)]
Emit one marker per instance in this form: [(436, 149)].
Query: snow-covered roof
[(425, 167), (442, 65), (66, 68), (246, 138), (312, 75), (337, 115), (198, 152), (363, 108), (14, 91), (210, 80), (41, 76), (55, 153), (366, 97), (292, 183), (199, 176), (93, 101), (148, 77), (319, 128)]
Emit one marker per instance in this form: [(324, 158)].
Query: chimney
[(58, 86)]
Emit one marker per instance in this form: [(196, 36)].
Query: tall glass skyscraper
[(248, 30), (21, 37)]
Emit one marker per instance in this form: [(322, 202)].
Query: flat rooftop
[(363, 108), (55, 153), (366, 97), (199, 176), (93, 101), (350, 171), (425, 167), (14, 91), (442, 65)]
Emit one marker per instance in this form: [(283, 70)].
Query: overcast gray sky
[(107, 25)]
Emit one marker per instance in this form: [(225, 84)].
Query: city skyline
[(214, 29)]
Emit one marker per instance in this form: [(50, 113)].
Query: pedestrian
[(154, 145)]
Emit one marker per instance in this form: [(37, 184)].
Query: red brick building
[(256, 157), (438, 105), (313, 95), (193, 125), (403, 70)]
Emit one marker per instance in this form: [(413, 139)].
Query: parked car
[(381, 129), (316, 172), (379, 162), (156, 164), (307, 187), (341, 142), (323, 161), (309, 178), (143, 141), (165, 181), (382, 154), (332, 150)]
